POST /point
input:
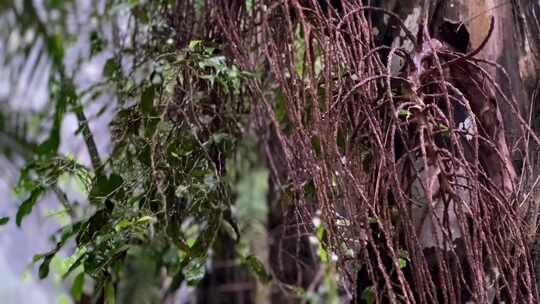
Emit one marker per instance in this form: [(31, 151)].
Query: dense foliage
[(182, 154)]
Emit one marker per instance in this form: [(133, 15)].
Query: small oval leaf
[(4, 220), (27, 206)]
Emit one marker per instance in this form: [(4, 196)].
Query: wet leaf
[(258, 268), (402, 263), (75, 265), (112, 69), (96, 43), (106, 186), (94, 224), (368, 295), (4, 220), (78, 286), (55, 48), (44, 267), (194, 272), (147, 100), (27, 206), (109, 293)]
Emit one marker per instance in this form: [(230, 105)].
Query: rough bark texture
[(452, 198), (505, 46)]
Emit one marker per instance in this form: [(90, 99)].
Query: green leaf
[(39, 256), (109, 293), (91, 263), (68, 232), (281, 108), (402, 263), (298, 291), (147, 100), (27, 206), (146, 218), (368, 295), (112, 69), (65, 93), (4, 220), (403, 258), (145, 156), (122, 225), (75, 265), (320, 233), (442, 126), (78, 286), (115, 182), (95, 223), (202, 243), (55, 4), (194, 43), (218, 138), (323, 254), (133, 3), (404, 113), (194, 271), (96, 43), (147, 107), (106, 186), (56, 49), (258, 268), (44, 267)]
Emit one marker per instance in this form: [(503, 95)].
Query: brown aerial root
[(412, 161)]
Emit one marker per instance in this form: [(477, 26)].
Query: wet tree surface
[(442, 177), (294, 151)]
